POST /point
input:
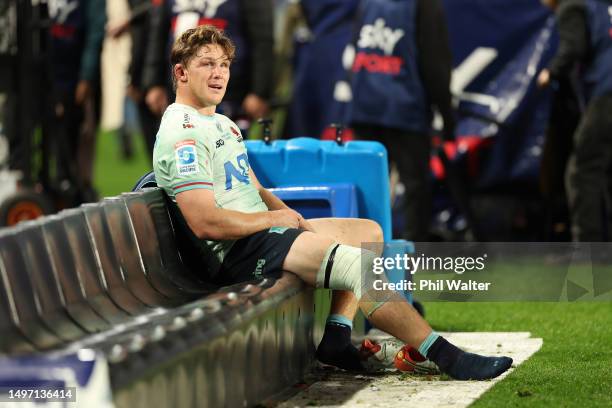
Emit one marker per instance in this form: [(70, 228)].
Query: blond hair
[(186, 46)]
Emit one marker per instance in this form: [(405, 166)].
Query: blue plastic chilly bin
[(320, 201)]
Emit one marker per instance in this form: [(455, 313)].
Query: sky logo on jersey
[(378, 36), (380, 64), (186, 157)]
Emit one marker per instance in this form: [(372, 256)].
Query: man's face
[(208, 74)]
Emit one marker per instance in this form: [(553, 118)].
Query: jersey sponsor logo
[(185, 20), (60, 10), (236, 133), (62, 31), (187, 122), (241, 174), (379, 36), (278, 230), (259, 268), (206, 7), (374, 63), (220, 23), (186, 157), (220, 143)]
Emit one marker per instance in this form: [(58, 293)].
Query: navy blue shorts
[(257, 256)]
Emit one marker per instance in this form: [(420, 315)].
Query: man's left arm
[(273, 202)]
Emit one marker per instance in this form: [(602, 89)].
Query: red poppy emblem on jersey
[(237, 134)]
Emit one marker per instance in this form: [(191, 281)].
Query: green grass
[(572, 369), (114, 174)]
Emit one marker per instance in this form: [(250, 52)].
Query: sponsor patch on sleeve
[(236, 133), (186, 157)]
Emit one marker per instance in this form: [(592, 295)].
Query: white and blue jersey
[(196, 151)]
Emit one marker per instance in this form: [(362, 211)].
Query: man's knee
[(375, 232), (346, 268)]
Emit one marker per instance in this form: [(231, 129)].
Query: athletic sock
[(426, 344), (336, 348), (462, 365)]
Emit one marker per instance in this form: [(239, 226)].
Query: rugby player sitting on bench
[(200, 161)]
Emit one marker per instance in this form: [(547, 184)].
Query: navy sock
[(336, 348), (461, 365)]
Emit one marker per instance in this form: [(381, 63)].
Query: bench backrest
[(84, 270)]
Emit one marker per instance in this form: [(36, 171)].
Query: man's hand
[(254, 106), (157, 100), (285, 218), (544, 78), (82, 92), (305, 225), (275, 204), (293, 215)]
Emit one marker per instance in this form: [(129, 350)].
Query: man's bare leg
[(309, 255), (353, 232), (335, 347), (344, 303), (396, 317)]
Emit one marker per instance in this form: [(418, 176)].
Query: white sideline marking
[(339, 389)]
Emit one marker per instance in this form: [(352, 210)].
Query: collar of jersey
[(192, 109)]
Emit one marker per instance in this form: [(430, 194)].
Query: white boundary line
[(340, 389)]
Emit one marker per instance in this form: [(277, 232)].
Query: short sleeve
[(183, 161)]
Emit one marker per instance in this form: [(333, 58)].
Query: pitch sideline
[(340, 389)]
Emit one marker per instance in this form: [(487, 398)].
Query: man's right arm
[(207, 221), (435, 59)]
